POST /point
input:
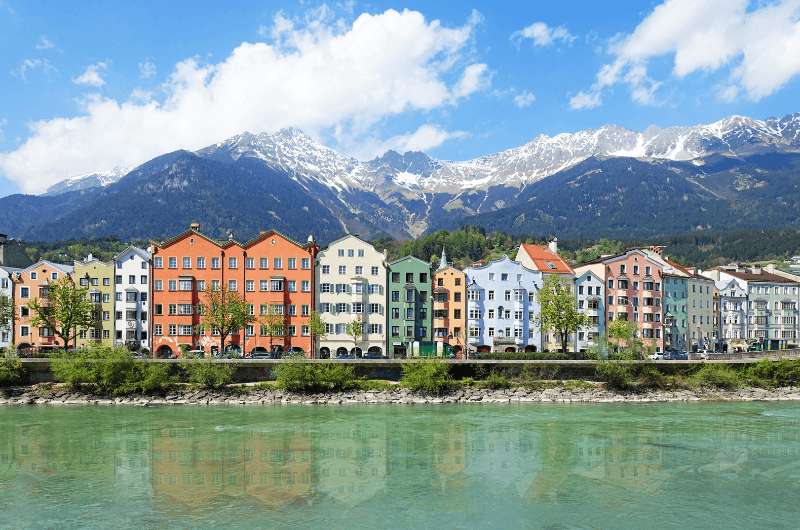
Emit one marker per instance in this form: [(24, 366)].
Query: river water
[(726, 465)]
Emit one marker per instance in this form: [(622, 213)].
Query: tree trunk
[(564, 341)]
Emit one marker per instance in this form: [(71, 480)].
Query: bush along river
[(617, 465)]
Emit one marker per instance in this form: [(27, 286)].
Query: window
[(395, 297), (158, 263), (395, 277), (263, 263), (359, 270), (143, 279), (277, 285), (172, 262), (231, 285), (291, 263), (187, 263), (325, 269), (250, 286), (342, 269), (172, 285), (374, 271), (215, 263), (358, 308), (34, 275), (277, 263), (263, 285), (324, 287), (157, 330), (305, 286), (491, 295), (361, 253), (375, 309), (504, 277), (305, 263), (291, 286), (201, 262), (185, 285)]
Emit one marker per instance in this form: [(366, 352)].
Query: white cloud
[(29, 65), (758, 42), (543, 35), (425, 137), (323, 77), (585, 100), (524, 99), (44, 43), (92, 76), (147, 69)]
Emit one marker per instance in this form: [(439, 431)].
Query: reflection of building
[(449, 453), (132, 286), (351, 279), (351, 461), (96, 276), (449, 305), (271, 468)]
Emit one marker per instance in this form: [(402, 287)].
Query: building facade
[(7, 297), (676, 315), (450, 306), (700, 306), (32, 283), (590, 292), (634, 292), (503, 307), (272, 273), (351, 283), (545, 259), (96, 277), (409, 320), (131, 298)]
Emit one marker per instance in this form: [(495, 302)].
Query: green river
[(705, 465)]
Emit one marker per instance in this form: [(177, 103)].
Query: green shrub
[(113, 371), (496, 381), (11, 371), (717, 376), (374, 384), (770, 374), (208, 374), (531, 373), (651, 377), (428, 377), (300, 376), (617, 375)]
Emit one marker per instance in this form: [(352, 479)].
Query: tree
[(7, 313), (622, 337), (226, 312), (65, 310), (273, 323), (317, 328), (559, 312), (355, 329)]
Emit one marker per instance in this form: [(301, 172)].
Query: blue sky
[(91, 85)]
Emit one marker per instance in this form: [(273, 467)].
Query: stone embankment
[(34, 395)]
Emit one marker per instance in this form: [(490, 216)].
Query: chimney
[(658, 249), (230, 235), (755, 269), (195, 226), (553, 245), (262, 232), (89, 257)]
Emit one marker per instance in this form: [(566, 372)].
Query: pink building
[(633, 292)]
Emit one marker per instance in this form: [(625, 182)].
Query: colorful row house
[(503, 307), (409, 322), (450, 306), (32, 284), (272, 273), (96, 277)]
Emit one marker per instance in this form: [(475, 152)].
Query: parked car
[(657, 356), (373, 355), (677, 356), (261, 355)]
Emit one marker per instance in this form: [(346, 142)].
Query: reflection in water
[(308, 467)]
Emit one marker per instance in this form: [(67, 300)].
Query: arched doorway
[(400, 351), (458, 351), (258, 349), (484, 348), (23, 348), (325, 353), (510, 349), (341, 351), (355, 351), (375, 350), (530, 349), (164, 352)]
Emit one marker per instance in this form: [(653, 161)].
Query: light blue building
[(590, 292), (503, 307)]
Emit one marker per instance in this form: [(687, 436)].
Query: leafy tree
[(355, 329), (225, 311), (66, 310), (273, 324), (7, 312), (559, 311), (317, 328)]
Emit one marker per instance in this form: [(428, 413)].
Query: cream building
[(351, 278)]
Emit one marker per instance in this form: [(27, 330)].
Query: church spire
[(443, 260)]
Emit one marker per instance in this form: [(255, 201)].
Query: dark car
[(677, 356), (373, 355), (260, 355)]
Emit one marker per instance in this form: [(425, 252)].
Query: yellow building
[(98, 277)]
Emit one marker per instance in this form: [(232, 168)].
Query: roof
[(546, 260), (135, 250), (226, 243), (60, 266), (404, 258), (763, 276)]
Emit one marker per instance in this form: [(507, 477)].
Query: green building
[(410, 313), (98, 277), (676, 316)]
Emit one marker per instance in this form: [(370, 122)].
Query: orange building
[(32, 283), (271, 272), (449, 305)]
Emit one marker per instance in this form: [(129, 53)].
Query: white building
[(131, 303), (351, 278), (590, 291), (6, 295)]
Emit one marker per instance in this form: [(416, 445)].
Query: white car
[(656, 357)]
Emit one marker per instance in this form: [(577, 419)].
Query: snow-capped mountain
[(289, 180), (88, 181)]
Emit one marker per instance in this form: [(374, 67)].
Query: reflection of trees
[(350, 461), (272, 468)]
